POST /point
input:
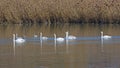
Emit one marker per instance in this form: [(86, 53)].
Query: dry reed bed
[(53, 11)]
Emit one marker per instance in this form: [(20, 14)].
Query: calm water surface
[(87, 51)]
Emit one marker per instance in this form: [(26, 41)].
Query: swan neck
[(40, 35), (66, 35), (54, 36), (101, 34), (13, 37)]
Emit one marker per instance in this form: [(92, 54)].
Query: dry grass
[(54, 11)]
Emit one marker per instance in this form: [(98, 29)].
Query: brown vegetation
[(54, 11)]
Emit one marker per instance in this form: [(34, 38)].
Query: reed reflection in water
[(87, 51)]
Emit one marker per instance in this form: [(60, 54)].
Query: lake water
[(88, 50)]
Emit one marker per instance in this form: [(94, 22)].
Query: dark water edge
[(55, 24), (53, 20)]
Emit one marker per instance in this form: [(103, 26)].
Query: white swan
[(105, 36), (18, 39), (43, 38), (59, 39), (70, 37), (35, 36)]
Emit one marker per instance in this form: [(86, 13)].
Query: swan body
[(43, 38), (18, 39), (70, 37), (35, 36), (105, 36), (59, 39)]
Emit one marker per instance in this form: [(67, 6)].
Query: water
[(87, 51)]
